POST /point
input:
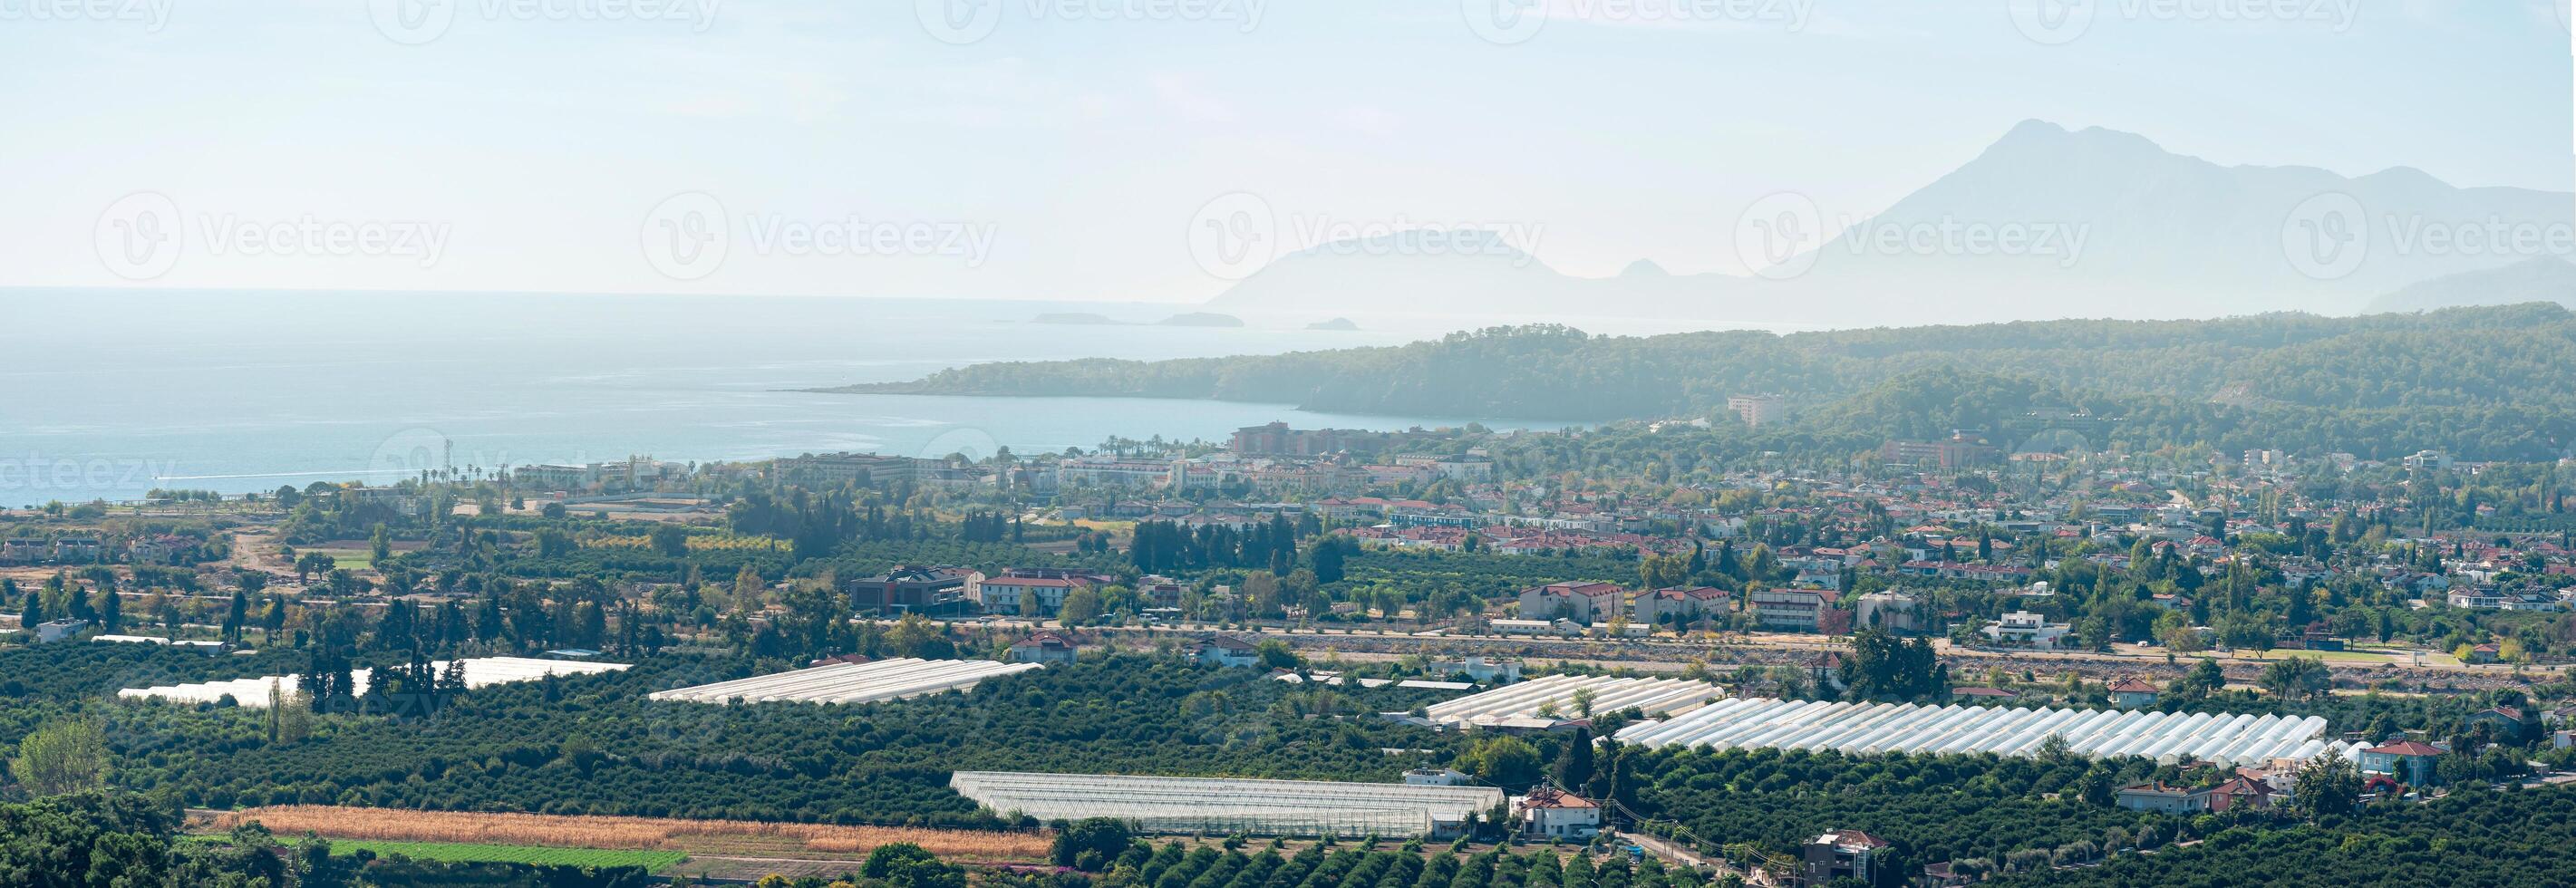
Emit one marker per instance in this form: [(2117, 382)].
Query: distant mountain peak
[(1424, 242), (2035, 128), (2046, 222), (2405, 176), (2041, 136)]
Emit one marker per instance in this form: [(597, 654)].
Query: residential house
[(25, 551), (1434, 777), (78, 550), (1227, 650), (2131, 693), (2502, 723), (1048, 648), (1842, 853), (2409, 761), (1159, 591), (1548, 812), (2165, 799), (2476, 597), (2242, 792), (2027, 629), (58, 630)]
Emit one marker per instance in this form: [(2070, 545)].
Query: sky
[(1105, 150)]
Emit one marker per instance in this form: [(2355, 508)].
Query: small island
[(1077, 318), (1202, 319), (1342, 325)]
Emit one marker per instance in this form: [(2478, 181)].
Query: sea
[(110, 394)]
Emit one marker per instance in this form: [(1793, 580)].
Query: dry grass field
[(708, 837)]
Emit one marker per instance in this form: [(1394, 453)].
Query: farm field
[(730, 838), (650, 861), (349, 559)]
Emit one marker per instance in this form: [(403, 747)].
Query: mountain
[(2545, 279), (2045, 223), (1478, 271)]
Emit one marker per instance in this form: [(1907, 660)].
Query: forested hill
[(2486, 383)]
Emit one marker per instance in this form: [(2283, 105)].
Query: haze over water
[(113, 394)]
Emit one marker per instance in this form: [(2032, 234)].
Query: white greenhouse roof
[(1863, 728), (1225, 805), (1512, 704), (851, 682), (478, 673)]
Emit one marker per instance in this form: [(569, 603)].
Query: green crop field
[(468, 853)]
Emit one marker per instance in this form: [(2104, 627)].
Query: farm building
[(478, 673), (1557, 695), (1221, 806), (851, 682), (1860, 728)]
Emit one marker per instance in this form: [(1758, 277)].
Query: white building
[(1228, 650), (1548, 812), (2029, 629), (1434, 777)]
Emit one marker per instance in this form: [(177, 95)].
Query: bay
[(111, 394)]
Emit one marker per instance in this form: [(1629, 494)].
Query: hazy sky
[(1072, 148)]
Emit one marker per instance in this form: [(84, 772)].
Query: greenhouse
[(478, 673), (1558, 695), (1220, 806), (851, 682), (1865, 728)]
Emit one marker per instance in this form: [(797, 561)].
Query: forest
[(2481, 382)]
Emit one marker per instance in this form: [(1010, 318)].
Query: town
[(2404, 621)]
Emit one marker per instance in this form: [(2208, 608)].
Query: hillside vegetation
[(2486, 383)]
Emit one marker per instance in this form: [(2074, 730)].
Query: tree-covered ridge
[(2480, 381), (2474, 837)]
